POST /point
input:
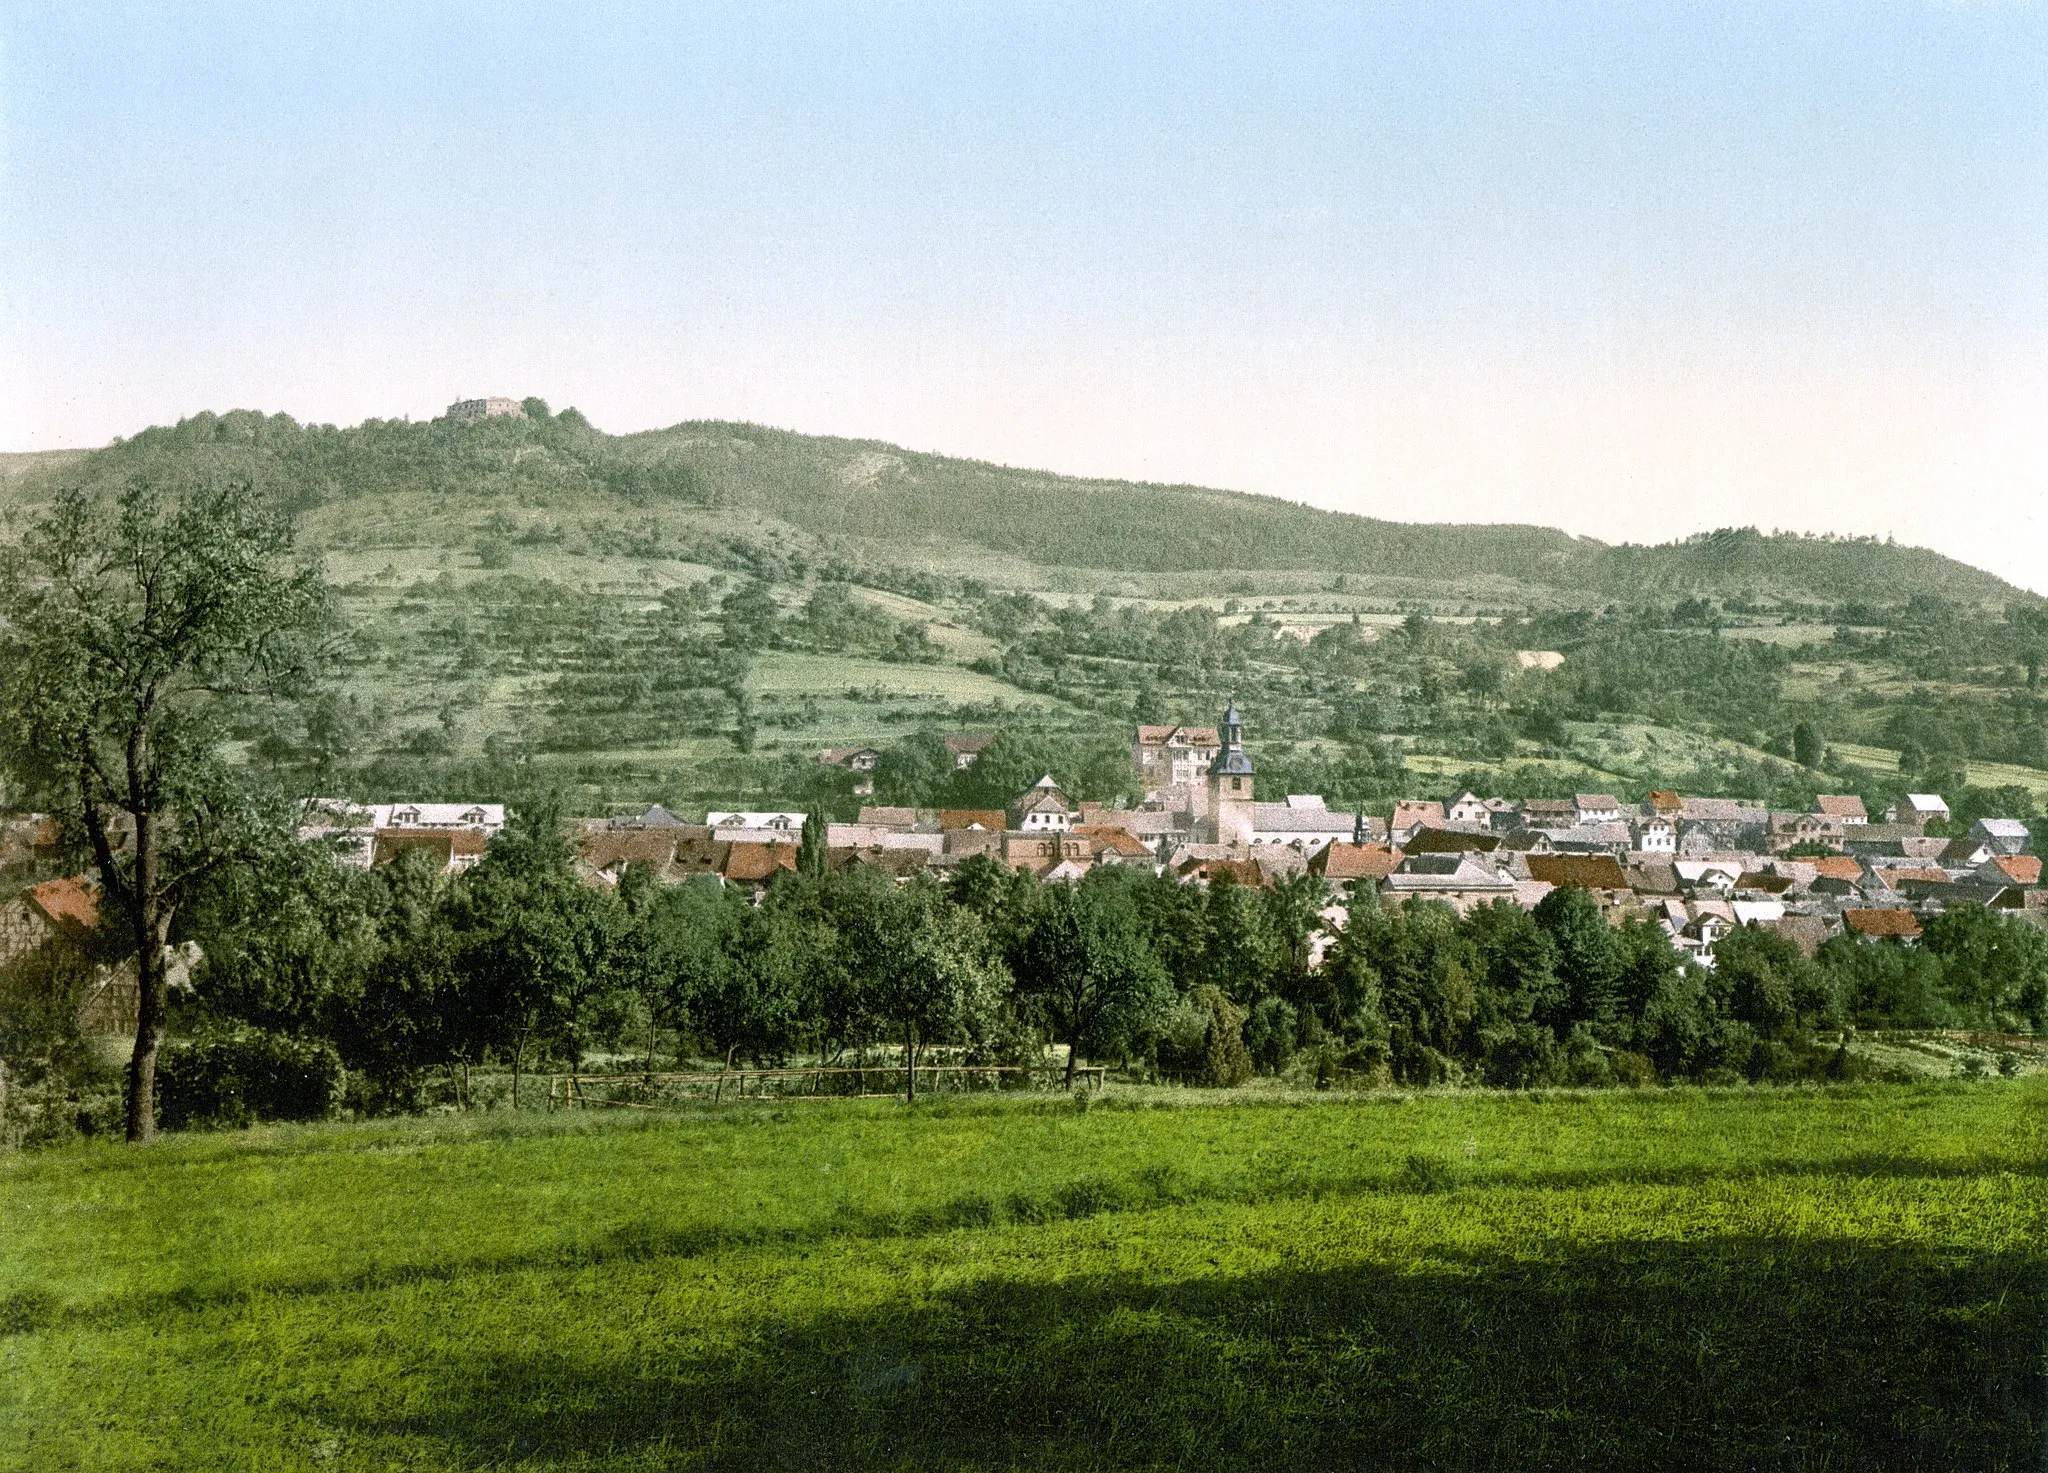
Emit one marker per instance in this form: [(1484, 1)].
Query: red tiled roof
[(1881, 922), (1757, 880), (1923, 875), (952, 820), (1107, 836), (1411, 811), (1242, 871), (1663, 800), (71, 905), (2021, 869), (608, 847), (1837, 867), (1587, 871), (1840, 805), (1354, 861), (1452, 841), (747, 862)]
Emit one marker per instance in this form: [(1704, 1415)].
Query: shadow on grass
[(1738, 1353), (32, 1308)]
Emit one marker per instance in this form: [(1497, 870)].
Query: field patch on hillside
[(1843, 1278)]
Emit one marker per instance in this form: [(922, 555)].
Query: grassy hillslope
[(444, 483)]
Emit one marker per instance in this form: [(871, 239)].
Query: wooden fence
[(659, 1090)]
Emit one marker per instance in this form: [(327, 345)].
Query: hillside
[(882, 503), (690, 615)]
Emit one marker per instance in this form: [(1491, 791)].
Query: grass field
[(1836, 1279)]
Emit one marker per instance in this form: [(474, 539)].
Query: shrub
[(238, 1076), (1270, 1034), (1225, 1061)]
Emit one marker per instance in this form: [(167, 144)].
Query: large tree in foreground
[(131, 628)]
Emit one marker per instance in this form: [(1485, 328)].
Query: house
[(1549, 813), (1198, 870), (756, 827), (1891, 841), (452, 850), (920, 840), (485, 818), (1592, 838), (602, 855), (1411, 814), (1760, 882), (1918, 809), (967, 746), (752, 865), (1656, 834), (1922, 883), (1765, 913), (897, 863), (1584, 871), (1793, 830), (1170, 756), (1808, 933), (1039, 850), (2002, 835), (888, 817), (51, 926), (1847, 808), (1452, 841), (2005, 881), (1304, 822), (1664, 803), (1596, 808), (860, 761), (1110, 844), (1341, 864), (1460, 880), (1836, 874), (355, 828), (1042, 808), (1652, 876), (654, 817), (1469, 807), (2012, 869), (1888, 924), (1710, 921)]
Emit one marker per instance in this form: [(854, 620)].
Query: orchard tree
[(1084, 960), (132, 629)]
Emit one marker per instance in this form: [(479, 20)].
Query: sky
[(1635, 270)]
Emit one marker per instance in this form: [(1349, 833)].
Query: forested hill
[(455, 481)]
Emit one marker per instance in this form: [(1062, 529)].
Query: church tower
[(1230, 784)]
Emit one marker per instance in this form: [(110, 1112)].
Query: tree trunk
[(1073, 1057), (152, 1005), (518, 1056), (909, 1068)]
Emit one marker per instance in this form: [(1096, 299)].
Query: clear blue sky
[(1635, 270)]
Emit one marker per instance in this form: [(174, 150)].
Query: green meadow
[(1842, 1278)]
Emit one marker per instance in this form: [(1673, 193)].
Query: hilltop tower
[(1230, 784)]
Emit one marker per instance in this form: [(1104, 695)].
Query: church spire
[(1231, 761)]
